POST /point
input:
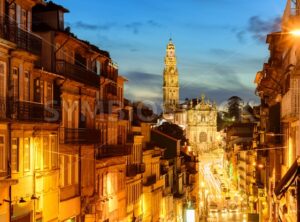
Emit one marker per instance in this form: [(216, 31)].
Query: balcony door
[(2, 89), (70, 114)]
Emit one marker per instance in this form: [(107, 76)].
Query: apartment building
[(278, 87)]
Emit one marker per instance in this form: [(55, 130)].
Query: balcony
[(164, 169), (79, 136), (24, 40), (150, 180), (290, 104), (77, 73), (35, 112), (134, 169), (105, 151)]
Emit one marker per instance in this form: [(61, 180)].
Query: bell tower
[(170, 80)]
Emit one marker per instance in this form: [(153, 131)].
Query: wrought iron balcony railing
[(134, 169), (150, 180), (10, 31), (32, 111), (77, 73), (104, 151), (79, 136), (290, 105)]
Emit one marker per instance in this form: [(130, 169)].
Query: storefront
[(288, 192)]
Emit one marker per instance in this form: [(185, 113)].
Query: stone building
[(197, 117), (278, 86)]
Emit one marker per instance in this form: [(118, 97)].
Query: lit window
[(2, 155), (54, 151), (46, 152), (15, 155), (27, 86), (15, 83), (38, 152), (2, 89), (26, 155)]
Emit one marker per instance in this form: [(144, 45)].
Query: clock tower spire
[(170, 80)]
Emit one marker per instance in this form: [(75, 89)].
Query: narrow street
[(217, 205)]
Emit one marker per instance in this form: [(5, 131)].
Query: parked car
[(233, 208), (213, 207), (224, 210)]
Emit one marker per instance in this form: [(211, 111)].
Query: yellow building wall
[(69, 208)]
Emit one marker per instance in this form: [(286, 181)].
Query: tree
[(235, 104), (142, 113), (172, 130)]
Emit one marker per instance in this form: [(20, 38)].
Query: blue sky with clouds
[(219, 44)]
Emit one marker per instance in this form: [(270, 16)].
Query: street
[(219, 201)]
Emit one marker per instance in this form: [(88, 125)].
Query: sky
[(220, 44)]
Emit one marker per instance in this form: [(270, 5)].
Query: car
[(224, 210), (213, 207), (233, 208)]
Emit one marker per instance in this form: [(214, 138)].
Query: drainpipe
[(9, 168), (298, 198), (8, 111)]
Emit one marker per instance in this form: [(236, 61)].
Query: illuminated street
[(213, 190)]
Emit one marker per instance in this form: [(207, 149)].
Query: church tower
[(170, 80)]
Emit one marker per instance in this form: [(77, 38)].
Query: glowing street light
[(260, 166), (295, 32)]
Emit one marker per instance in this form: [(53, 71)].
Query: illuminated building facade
[(68, 150), (278, 86), (170, 81)]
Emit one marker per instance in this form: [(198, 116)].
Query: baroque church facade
[(197, 117)]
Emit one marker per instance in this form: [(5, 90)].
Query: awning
[(288, 178)]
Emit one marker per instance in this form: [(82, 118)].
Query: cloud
[(134, 27), (148, 87), (220, 95), (92, 27), (145, 79), (258, 29), (221, 52), (241, 36)]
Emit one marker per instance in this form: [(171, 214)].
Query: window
[(27, 86), (54, 151), (15, 155), (98, 67), (61, 20), (12, 11), (48, 93), (38, 90), (69, 169), (62, 170), (74, 169), (2, 154), (15, 83), (24, 19), (2, 89), (26, 155), (46, 152), (38, 152)]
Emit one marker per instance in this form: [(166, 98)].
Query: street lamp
[(295, 32)]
